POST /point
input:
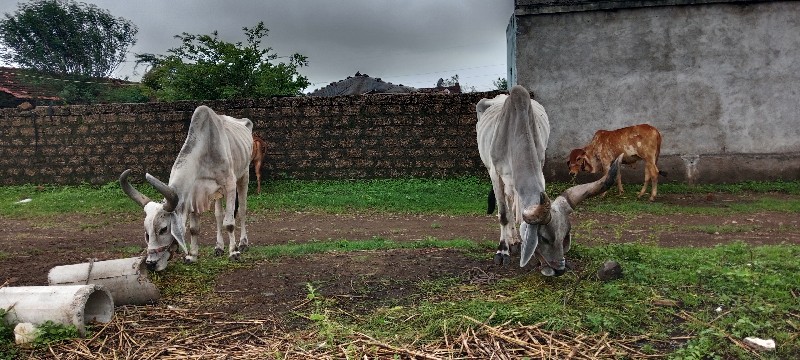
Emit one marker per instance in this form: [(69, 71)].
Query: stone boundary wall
[(348, 137)]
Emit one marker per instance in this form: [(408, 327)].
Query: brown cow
[(638, 142), (259, 150)]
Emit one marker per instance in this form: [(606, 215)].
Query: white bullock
[(512, 138), (213, 163)]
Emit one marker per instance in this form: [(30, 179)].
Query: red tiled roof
[(12, 82)]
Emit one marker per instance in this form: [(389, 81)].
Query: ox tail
[(491, 202)]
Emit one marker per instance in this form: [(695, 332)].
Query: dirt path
[(362, 280)]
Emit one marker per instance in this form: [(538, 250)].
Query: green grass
[(749, 284), (50, 200), (426, 196), (756, 288), (788, 187), (462, 196)]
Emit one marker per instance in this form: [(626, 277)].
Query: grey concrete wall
[(720, 80)]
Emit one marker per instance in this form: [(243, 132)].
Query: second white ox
[(213, 163), (512, 138)]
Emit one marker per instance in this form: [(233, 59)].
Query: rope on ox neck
[(158, 250)]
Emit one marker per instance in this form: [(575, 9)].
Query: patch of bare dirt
[(357, 281), (363, 280)]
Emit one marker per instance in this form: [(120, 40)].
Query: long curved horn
[(540, 214), (132, 193), (164, 189), (578, 193)]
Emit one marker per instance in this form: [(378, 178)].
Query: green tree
[(501, 84), (207, 68), (66, 37)]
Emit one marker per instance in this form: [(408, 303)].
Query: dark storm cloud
[(413, 42)]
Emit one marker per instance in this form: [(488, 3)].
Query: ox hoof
[(189, 259), (234, 256), (218, 252), (502, 259), (243, 247), (498, 259)]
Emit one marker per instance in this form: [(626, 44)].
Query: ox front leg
[(219, 214), (507, 246), (229, 223), (509, 237), (241, 187), (194, 232)]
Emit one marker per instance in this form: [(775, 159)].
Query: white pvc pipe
[(69, 305), (126, 279)]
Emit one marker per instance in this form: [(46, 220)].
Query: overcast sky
[(409, 42)]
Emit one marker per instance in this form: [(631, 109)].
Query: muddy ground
[(361, 280)]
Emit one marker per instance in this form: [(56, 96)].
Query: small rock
[(611, 270), (666, 302), (760, 344), (24, 333), (25, 106)]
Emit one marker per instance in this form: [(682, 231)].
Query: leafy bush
[(50, 332)]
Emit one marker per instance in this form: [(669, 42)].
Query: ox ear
[(530, 240), (178, 229)]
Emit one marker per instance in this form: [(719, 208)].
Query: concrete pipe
[(126, 279), (69, 305)]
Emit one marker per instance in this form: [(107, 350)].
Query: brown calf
[(259, 149), (638, 142)]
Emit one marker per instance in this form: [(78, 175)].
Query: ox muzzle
[(548, 269), (155, 256)]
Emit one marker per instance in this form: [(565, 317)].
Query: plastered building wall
[(719, 79)]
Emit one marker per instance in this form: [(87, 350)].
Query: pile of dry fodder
[(143, 332)]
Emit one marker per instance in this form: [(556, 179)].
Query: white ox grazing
[(512, 137), (213, 163)]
